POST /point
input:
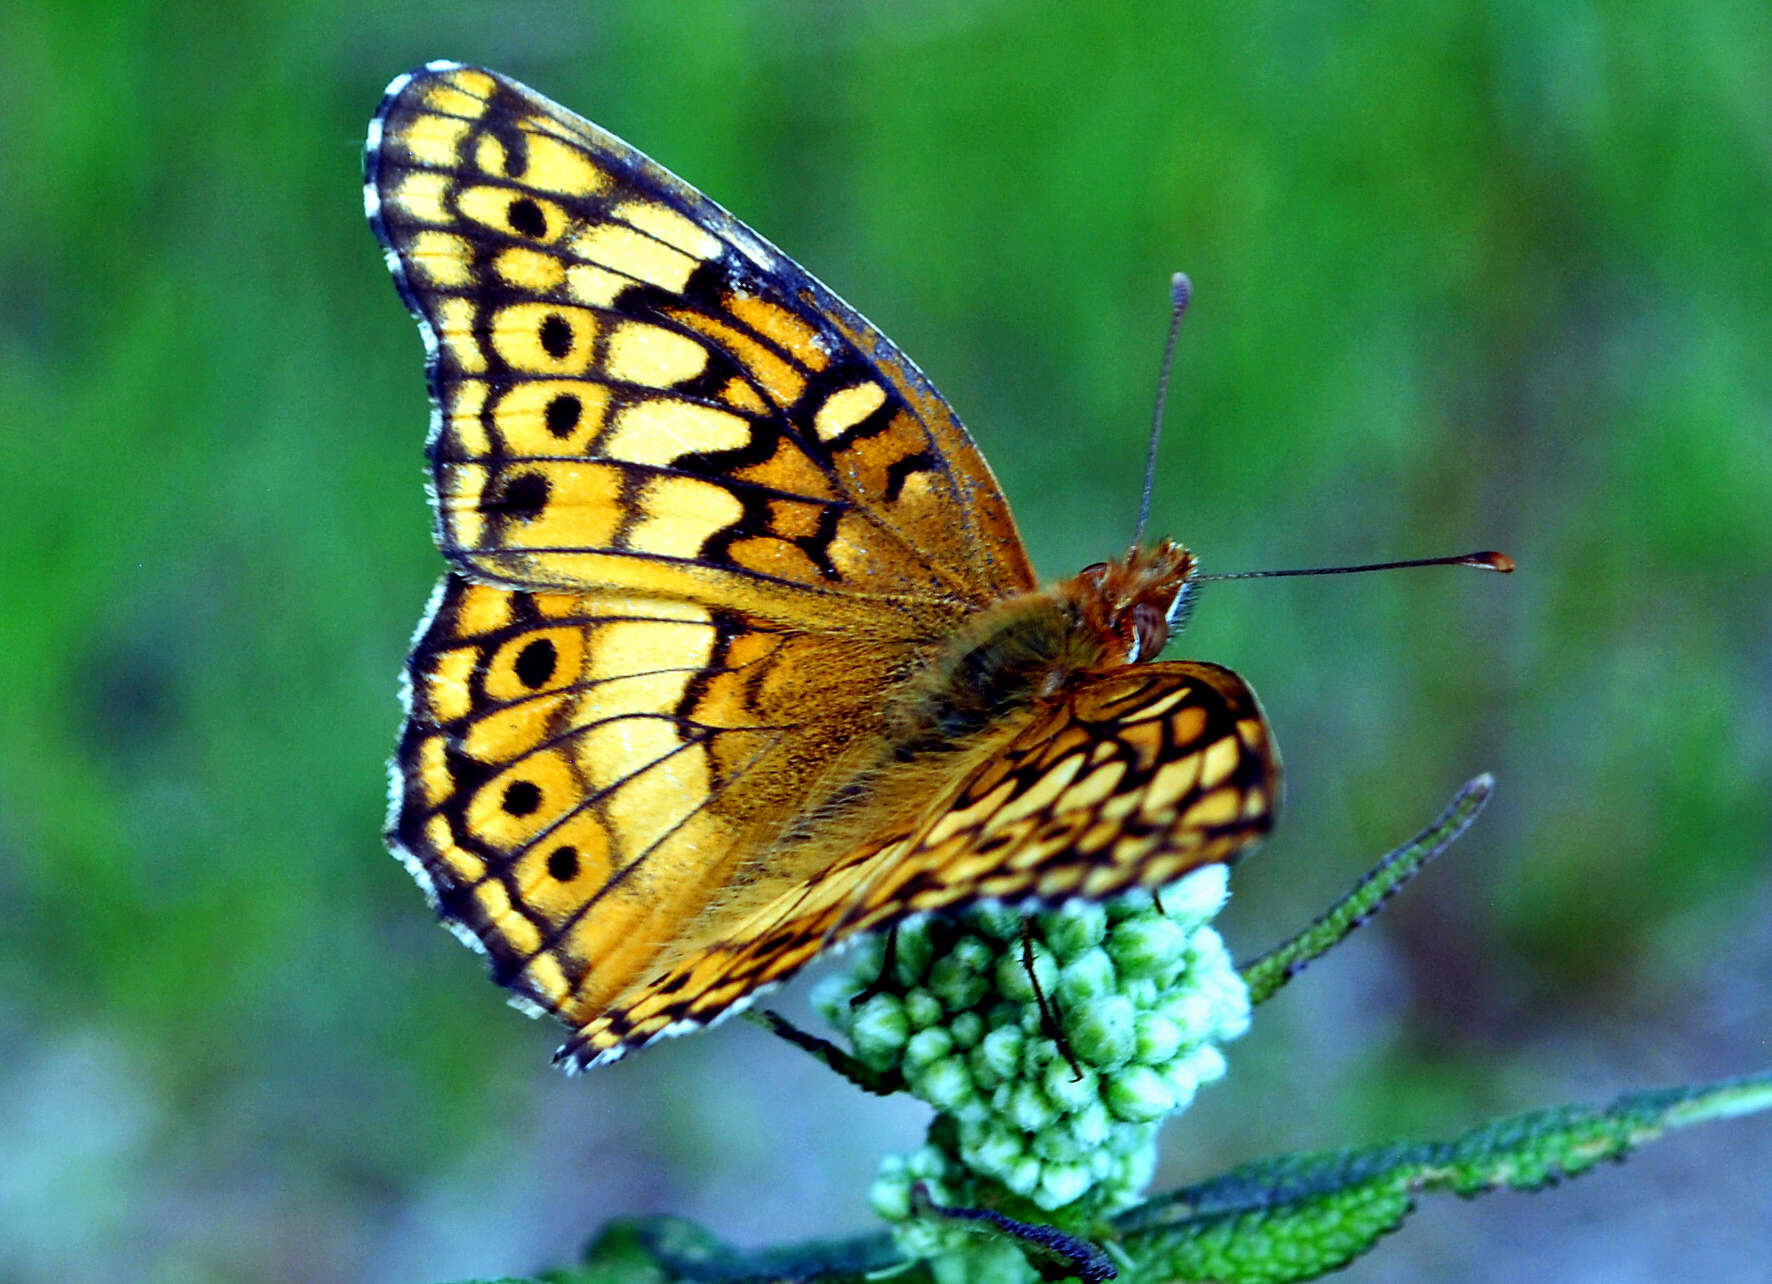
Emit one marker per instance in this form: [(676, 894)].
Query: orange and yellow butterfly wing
[(635, 392), (1135, 777), (581, 778), (657, 445)]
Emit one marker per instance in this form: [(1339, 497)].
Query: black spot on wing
[(521, 798), (563, 863), (555, 335), (563, 414), (817, 545), (525, 216), (522, 497), (535, 663), (711, 281), (764, 440)]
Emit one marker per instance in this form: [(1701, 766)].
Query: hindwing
[(1132, 779)]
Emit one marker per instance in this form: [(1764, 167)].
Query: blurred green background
[(1468, 275)]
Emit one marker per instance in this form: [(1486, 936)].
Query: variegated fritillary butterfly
[(739, 652)]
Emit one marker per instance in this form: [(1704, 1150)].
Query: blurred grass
[(1468, 275)]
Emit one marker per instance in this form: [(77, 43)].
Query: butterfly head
[(1132, 604)]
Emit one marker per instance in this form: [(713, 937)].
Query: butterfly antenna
[(1488, 560), (1180, 291)]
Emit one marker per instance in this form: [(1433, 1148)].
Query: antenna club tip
[(1490, 560), (1181, 289)]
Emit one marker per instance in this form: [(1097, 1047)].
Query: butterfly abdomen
[(965, 702), (1006, 659), (1026, 648)]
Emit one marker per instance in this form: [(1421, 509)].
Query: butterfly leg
[(888, 961), (850, 1067), (1048, 1012)]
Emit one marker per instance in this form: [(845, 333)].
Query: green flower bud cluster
[(1142, 997)]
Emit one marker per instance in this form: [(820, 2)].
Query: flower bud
[(878, 1030), (830, 997), (947, 1085), (997, 1152), (1198, 897), (1139, 1094), (1208, 1063), (922, 1009), (1139, 998), (1029, 1109), (890, 1192), (1102, 1031), (1023, 1175), (1068, 1090), (996, 920), (1012, 974), (967, 1029), (1150, 945), (1157, 1038), (1060, 1184), (957, 984), (1000, 1051), (913, 953), (926, 1046), (1074, 929), (1085, 977)]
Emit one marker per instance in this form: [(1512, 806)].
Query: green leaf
[(1296, 1217), (1292, 1217)]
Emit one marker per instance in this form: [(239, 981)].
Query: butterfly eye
[(1151, 628)]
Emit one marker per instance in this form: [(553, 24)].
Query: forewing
[(580, 776), (633, 391), (1134, 778)]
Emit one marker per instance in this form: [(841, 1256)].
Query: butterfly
[(739, 652)]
